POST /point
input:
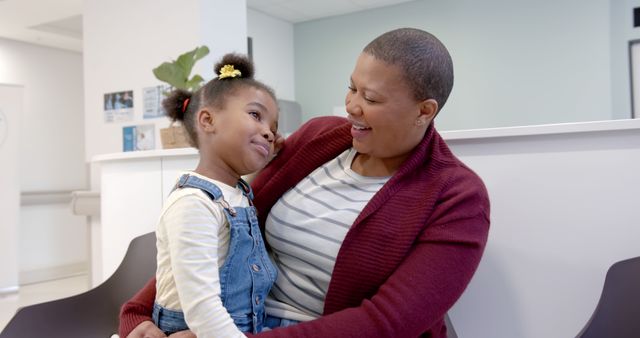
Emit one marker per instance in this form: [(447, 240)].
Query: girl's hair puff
[(177, 105)]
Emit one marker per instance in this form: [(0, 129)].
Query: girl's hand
[(183, 334)]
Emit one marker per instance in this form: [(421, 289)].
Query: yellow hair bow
[(228, 71)]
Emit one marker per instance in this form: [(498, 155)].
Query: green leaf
[(194, 83), (187, 60), (169, 73), (201, 52), (176, 73)]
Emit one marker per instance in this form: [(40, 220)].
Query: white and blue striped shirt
[(305, 230)]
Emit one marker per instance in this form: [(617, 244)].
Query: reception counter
[(564, 207)]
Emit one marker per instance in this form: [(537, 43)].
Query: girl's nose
[(268, 134)]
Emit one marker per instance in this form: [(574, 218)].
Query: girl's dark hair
[(424, 60), (182, 105)]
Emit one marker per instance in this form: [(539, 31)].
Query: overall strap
[(246, 189), (209, 188)]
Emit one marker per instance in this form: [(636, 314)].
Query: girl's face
[(242, 140), (383, 112)]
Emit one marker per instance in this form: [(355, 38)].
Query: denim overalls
[(247, 273)]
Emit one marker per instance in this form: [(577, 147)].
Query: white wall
[(121, 56), (51, 151), (517, 62), (52, 142), (10, 117), (124, 41), (564, 208), (273, 52)]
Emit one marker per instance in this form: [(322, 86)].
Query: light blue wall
[(517, 62), (622, 32)]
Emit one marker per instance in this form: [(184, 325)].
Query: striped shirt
[(305, 230)]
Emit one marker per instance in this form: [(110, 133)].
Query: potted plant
[(177, 74)]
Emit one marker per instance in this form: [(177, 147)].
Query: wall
[(622, 32), (10, 115), (53, 117), (122, 44), (516, 62), (51, 154), (120, 57), (273, 52), (564, 207)]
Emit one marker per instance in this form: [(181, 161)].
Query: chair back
[(451, 332), (93, 313), (617, 314)]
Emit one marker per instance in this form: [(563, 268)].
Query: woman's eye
[(352, 89), (255, 115)]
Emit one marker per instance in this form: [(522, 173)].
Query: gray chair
[(451, 332), (95, 312), (617, 314)]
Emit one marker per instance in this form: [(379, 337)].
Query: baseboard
[(51, 273)]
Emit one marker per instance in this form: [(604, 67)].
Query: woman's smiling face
[(383, 111)]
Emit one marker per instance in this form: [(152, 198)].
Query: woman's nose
[(352, 107)]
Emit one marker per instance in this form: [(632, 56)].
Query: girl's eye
[(255, 115), (369, 100)]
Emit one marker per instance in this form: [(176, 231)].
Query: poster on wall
[(118, 106), (140, 137), (152, 98)]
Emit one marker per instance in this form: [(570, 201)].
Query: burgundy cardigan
[(407, 257)]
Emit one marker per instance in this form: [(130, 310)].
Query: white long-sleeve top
[(193, 242)]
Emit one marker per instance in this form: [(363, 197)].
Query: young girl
[(213, 271)]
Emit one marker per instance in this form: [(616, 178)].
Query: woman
[(416, 218)]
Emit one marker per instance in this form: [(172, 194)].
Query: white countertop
[(145, 154), (543, 129)]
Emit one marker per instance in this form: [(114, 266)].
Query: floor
[(40, 292)]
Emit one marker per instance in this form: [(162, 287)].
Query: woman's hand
[(148, 329), (278, 142)]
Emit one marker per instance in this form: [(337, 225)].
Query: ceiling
[(58, 23)]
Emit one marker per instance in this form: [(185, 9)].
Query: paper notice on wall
[(118, 106), (152, 98), (141, 137)]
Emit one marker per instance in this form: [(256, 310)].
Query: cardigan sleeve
[(137, 309), (431, 278)]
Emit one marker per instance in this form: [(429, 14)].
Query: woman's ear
[(428, 110), (206, 120)]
